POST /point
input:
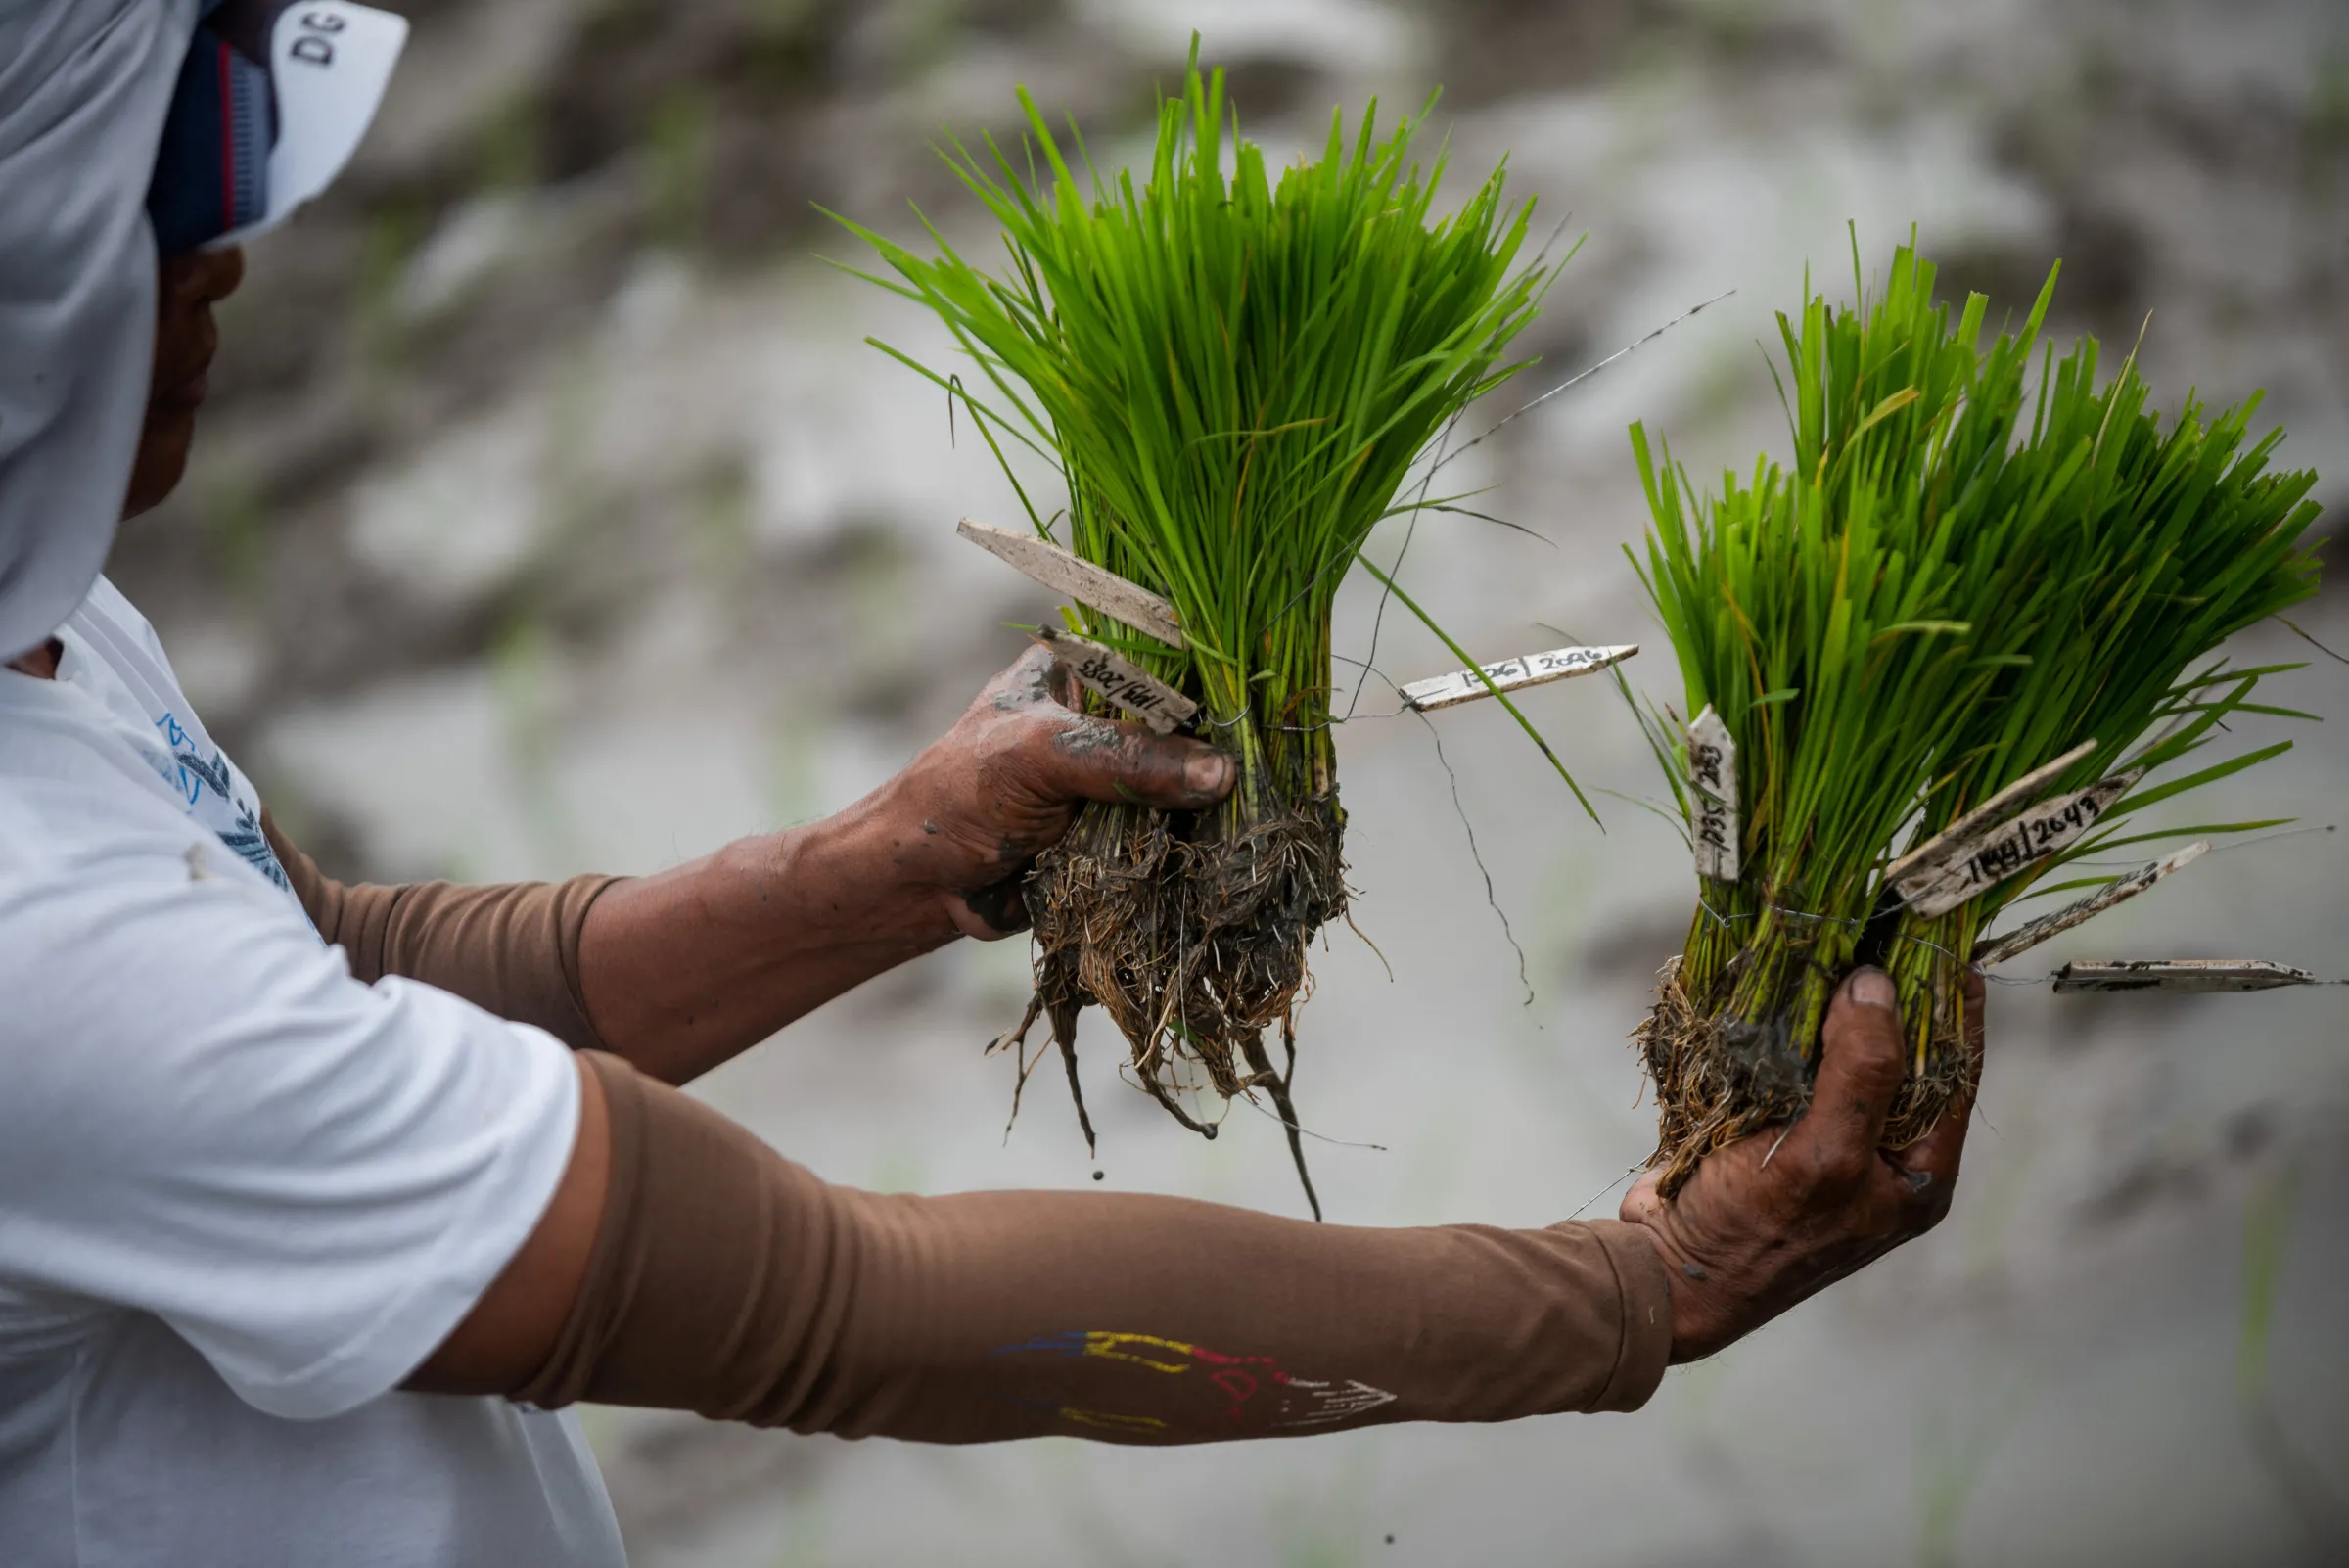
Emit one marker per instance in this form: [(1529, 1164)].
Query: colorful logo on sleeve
[(1219, 1394)]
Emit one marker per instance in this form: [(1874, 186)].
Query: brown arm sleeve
[(513, 949), (727, 1281)]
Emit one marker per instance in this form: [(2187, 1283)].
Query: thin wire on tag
[(1628, 1171), (2221, 849), (1580, 377), (1307, 1131)]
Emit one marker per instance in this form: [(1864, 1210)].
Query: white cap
[(329, 65)]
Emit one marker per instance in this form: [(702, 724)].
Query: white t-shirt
[(242, 1195)]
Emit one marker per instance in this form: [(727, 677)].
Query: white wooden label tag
[(1984, 861), (1089, 586), (1713, 781), (1527, 669), (1999, 809), (2182, 975), (1106, 673), (2022, 939)]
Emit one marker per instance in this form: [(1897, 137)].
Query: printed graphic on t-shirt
[(229, 813)]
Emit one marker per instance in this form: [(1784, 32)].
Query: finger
[(1097, 759), (1059, 683), (992, 912), (1929, 1166), (1860, 1065), (1031, 680), (1644, 1198)]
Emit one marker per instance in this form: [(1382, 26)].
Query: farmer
[(320, 1203)]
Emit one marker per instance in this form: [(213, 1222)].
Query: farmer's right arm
[(680, 971), (685, 1265)]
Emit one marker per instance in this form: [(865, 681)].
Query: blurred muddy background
[(554, 514)]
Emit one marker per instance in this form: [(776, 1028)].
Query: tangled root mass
[(1719, 1078), (1190, 931)]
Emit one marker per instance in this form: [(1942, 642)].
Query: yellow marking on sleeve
[(1115, 1423), (1112, 1347)]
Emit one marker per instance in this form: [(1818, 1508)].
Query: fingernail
[(1205, 772), (1871, 987)]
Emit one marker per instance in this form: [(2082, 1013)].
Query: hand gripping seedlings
[(1921, 657), (1234, 372)]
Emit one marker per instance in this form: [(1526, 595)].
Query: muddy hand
[(1782, 1215), (974, 810)]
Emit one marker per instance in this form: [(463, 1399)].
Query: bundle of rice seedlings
[(2144, 549), (1931, 605), (1235, 375)]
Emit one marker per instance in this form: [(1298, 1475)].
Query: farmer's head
[(141, 141)]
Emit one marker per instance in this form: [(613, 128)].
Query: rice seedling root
[(1719, 1078), (1190, 931)]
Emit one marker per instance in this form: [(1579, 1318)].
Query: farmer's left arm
[(683, 1263), (680, 971)]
